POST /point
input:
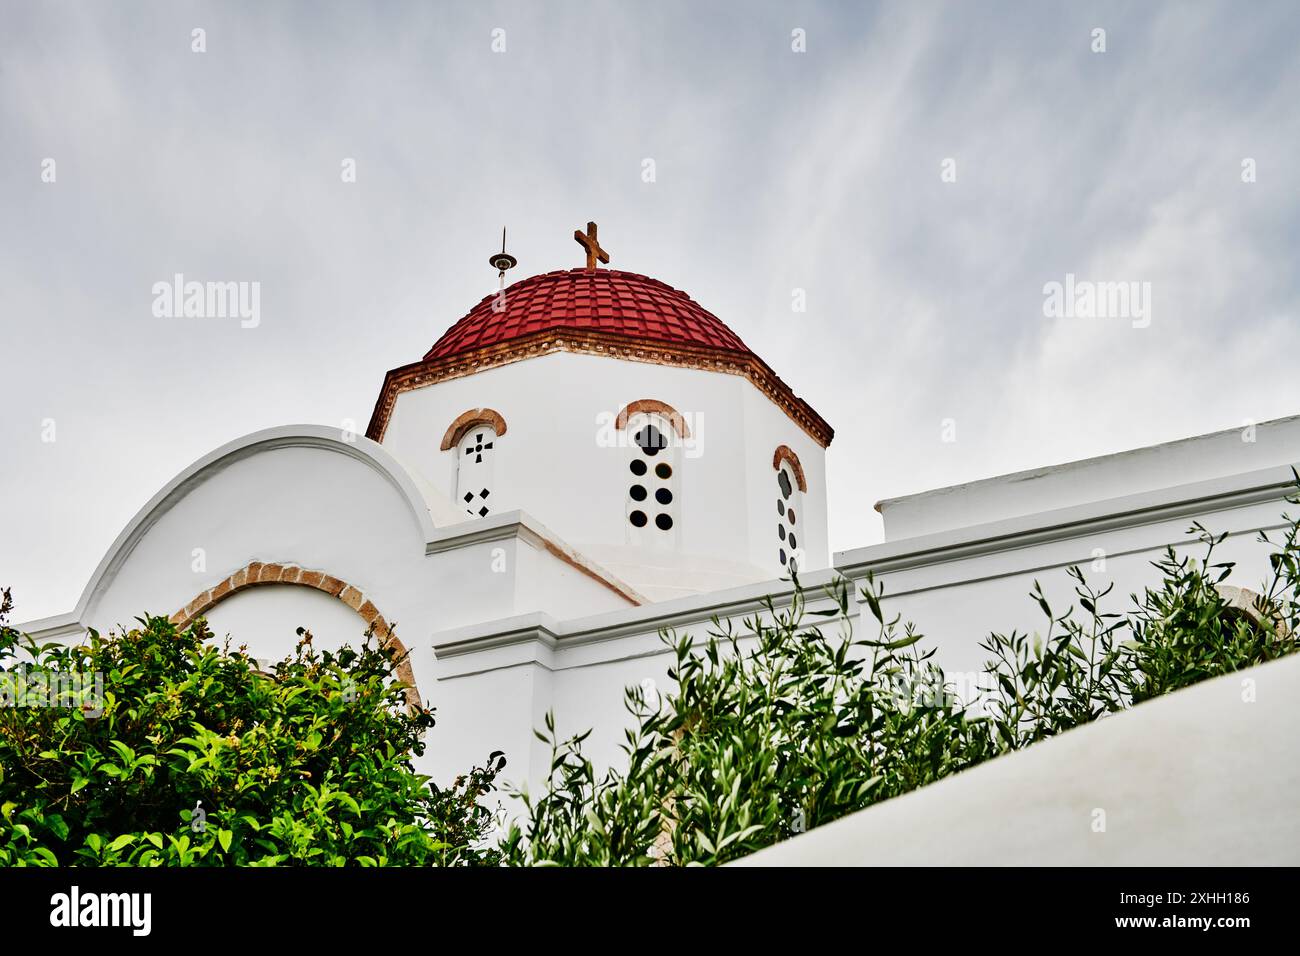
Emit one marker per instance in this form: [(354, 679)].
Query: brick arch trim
[(1255, 607), (257, 573), (467, 420), (652, 406), (786, 453)]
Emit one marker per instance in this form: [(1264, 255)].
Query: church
[(589, 456)]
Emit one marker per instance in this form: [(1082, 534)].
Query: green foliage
[(755, 745), (791, 727), (309, 766)]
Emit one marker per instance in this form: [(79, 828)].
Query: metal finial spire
[(501, 261)]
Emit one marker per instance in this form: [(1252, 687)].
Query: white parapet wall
[(1209, 775)]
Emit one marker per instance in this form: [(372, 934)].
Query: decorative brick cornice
[(610, 345), (652, 406), (269, 573), (786, 453), (467, 420)]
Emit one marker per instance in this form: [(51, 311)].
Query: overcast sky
[(774, 171)]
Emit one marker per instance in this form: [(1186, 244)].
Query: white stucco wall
[(320, 505), (265, 619), (1204, 776)]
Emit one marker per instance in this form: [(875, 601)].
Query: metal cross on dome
[(588, 242)]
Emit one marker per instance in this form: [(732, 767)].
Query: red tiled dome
[(598, 300), (603, 312)]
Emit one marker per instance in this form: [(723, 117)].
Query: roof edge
[(602, 343), (1074, 464), (323, 437)]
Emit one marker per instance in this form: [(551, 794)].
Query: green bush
[(310, 766), (794, 727)]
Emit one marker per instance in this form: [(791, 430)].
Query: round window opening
[(651, 440)]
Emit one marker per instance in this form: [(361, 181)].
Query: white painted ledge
[(1196, 778), (1080, 521)]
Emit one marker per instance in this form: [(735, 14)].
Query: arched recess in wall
[(1258, 611), (790, 488), (651, 503), (474, 435), (258, 573)]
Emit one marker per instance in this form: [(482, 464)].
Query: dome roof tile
[(604, 300), (595, 311)]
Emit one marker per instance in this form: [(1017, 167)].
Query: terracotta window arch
[(258, 573), (474, 435), (649, 406), (467, 420), (786, 453)]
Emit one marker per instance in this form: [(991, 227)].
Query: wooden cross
[(588, 242)]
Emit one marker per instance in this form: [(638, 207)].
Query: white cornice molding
[(58, 627), (497, 527), (553, 644)]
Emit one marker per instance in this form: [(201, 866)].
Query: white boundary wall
[(1200, 777)]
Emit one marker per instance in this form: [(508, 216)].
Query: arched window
[(474, 458), (653, 476), (790, 489), (474, 436)]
